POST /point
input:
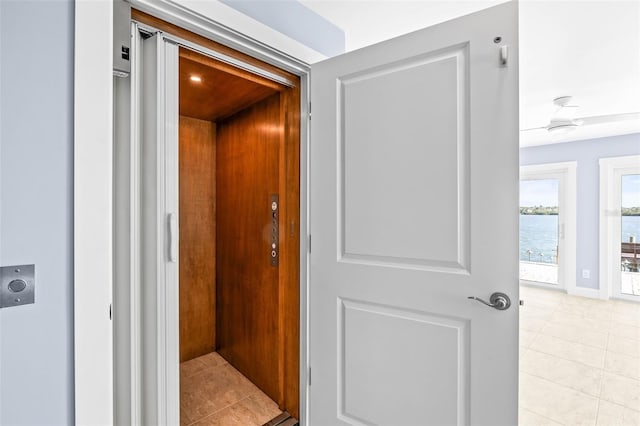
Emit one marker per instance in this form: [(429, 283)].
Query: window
[(547, 225), (539, 230), (630, 232), (620, 227)]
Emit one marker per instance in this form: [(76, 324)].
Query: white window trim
[(565, 172), (611, 171)]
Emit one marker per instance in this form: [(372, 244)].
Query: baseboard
[(592, 293)]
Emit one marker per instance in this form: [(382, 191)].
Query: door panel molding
[(447, 365), (395, 243)]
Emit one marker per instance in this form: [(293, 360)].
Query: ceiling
[(587, 49), (220, 90)]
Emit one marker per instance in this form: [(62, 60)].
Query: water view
[(539, 238), (539, 200), (630, 228), (539, 234)]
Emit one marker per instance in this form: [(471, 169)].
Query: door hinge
[(309, 243), (309, 110), (309, 376), (109, 311)]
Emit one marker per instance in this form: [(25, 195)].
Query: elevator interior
[(238, 228)]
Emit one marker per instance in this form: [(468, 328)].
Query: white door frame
[(565, 172), (94, 169), (93, 212), (611, 171)]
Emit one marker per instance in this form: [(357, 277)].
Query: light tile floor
[(579, 360), (213, 393)]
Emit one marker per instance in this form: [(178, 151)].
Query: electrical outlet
[(586, 273)]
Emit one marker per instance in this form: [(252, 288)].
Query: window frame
[(565, 172), (611, 171)]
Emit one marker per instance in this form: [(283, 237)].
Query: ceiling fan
[(564, 121)]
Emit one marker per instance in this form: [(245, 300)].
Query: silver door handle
[(173, 237), (500, 301)]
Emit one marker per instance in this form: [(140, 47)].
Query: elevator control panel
[(17, 285), (274, 213)]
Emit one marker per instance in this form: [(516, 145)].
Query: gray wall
[(36, 166), (587, 153)]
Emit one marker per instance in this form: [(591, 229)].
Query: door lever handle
[(499, 301), (173, 237)]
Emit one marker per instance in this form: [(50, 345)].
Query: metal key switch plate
[(274, 212), (17, 285)]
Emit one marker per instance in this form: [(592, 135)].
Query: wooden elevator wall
[(290, 249), (197, 180), (248, 306)]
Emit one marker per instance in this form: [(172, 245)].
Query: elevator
[(238, 239)]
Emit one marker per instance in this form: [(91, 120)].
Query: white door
[(159, 311), (414, 208)]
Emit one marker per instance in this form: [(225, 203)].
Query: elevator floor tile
[(212, 392)]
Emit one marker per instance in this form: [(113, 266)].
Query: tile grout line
[(544, 417), (218, 411), (609, 324), (557, 384), (229, 406), (567, 359), (202, 372), (563, 385), (602, 376), (537, 332)]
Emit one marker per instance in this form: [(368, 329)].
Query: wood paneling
[(290, 250), (221, 91), (229, 69), (197, 161), (248, 305)]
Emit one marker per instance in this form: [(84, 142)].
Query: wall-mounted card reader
[(17, 285)]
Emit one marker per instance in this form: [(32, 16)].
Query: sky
[(539, 192), (631, 191)]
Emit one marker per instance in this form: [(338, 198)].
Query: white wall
[(36, 121)]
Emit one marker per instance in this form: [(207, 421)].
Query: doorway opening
[(539, 230), (620, 226), (238, 244), (547, 225), (218, 189), (630, 232)]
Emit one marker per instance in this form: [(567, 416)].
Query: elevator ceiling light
[(196, 79)]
